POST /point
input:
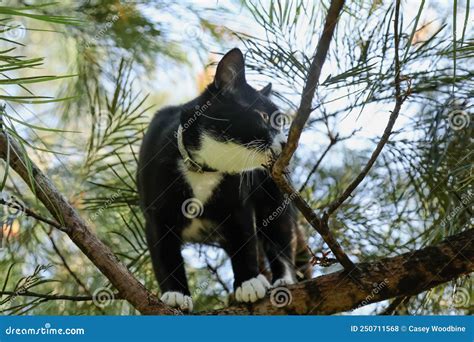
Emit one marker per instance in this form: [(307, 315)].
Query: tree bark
[(304, 110), (75, 227), (404, 275)]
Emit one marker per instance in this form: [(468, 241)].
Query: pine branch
[(31, 213), (76, 228), (66, 264), (404, 275), (52, 297), (299, 122), (399, 99)]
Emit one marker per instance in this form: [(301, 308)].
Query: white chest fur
[(203, 186), (228, 156)]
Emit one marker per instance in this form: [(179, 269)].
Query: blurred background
[(80, 81)]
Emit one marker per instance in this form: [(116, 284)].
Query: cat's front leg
[(253, 289), (249, 285), (168, 264), (177, 300)]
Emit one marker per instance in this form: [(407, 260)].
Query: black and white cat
[(201, 178)]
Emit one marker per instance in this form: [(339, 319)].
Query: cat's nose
[(282, 144)]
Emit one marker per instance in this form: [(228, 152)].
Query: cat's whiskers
[(252, 156), (257, 147), (254, 148)]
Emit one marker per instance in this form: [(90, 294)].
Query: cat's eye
[(264, 115)]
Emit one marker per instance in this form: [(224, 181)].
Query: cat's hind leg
[(279, 243)]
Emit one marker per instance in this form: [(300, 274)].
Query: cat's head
[(232, 128)]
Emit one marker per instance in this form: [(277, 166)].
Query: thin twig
[(323, 260), (52, 297), (304, 110), (333, 140), (213, 270), (31, 213), (399, 99), (66, 265)]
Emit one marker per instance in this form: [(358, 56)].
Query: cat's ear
[(230, 71), (265, 91)]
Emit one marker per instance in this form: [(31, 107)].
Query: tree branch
[(309, 89), (404, 275), (296, 128), (399, 99), (74, 226), (30, 213), (65, 263), (332, 141)]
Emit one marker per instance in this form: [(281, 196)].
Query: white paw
[(283, 282), (177, 300), (252, 290)]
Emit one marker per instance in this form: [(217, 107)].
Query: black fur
[(230, 110)]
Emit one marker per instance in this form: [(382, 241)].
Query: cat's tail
[(302, 257)]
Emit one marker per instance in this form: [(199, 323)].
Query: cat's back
[(162, 129), (158, 154)]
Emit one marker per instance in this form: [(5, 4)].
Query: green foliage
[(420, 190), (88, 136)]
